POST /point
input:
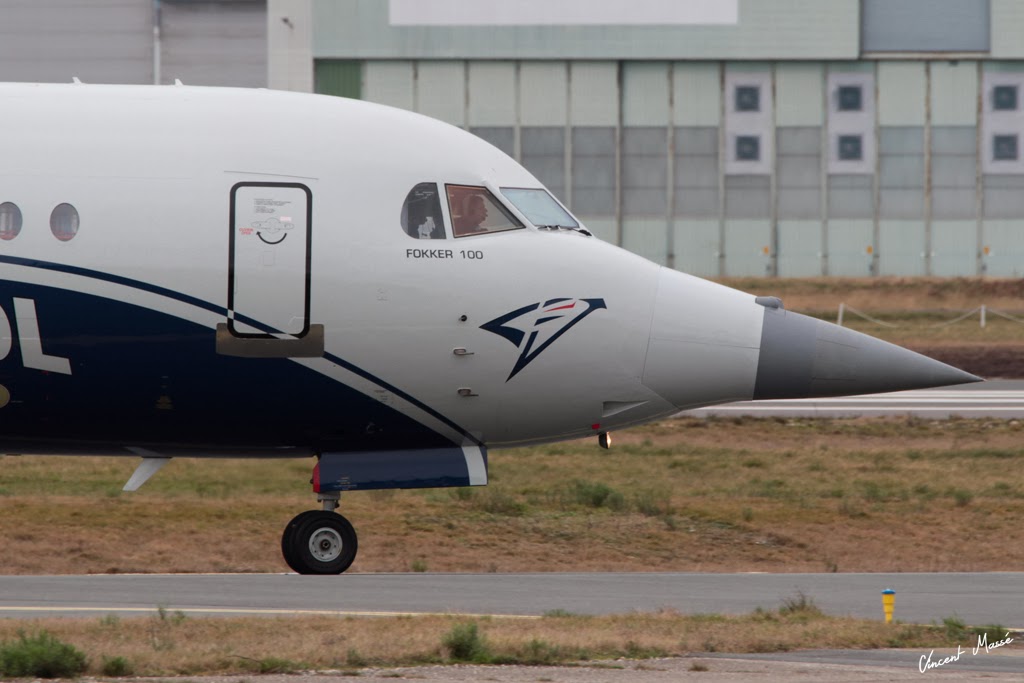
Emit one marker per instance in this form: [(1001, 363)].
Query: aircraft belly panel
[(410, 469)]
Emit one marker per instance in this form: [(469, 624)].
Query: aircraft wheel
[(288, 539), (321, 543)]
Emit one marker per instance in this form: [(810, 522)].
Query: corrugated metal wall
[(112, 41), (766, 29), (792, 168)]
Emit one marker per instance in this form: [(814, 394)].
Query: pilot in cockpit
[(474, 213)]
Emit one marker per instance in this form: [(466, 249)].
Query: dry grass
[(169, 644), (888, 294), (681, 495), (918, 307)]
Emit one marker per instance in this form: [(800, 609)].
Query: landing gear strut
[(320, 541)]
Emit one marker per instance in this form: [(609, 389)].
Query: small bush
[(990, 634), (499, 503), (800, 606), (873, 492), (651, 503), (635, 650), (594, 495), (174, 618), (419, 565), (962, 497), (540, 653), (40, 656), (116, 667), (353, 658), (461, 493), (276, 665), (558, 613), (465, 644), (956, 629)]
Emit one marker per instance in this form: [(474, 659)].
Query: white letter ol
[(28, 336)]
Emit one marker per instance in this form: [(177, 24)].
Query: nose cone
[(802, 357)]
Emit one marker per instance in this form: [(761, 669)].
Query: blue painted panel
[(141, 377), (412, 469)]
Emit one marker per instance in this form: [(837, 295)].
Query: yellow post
[(888, 603)]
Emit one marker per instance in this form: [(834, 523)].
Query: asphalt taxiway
[(976, 598), (995, 398)]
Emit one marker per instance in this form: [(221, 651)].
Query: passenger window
[(10, 221), (64, 222), (475, 211), (421, 213)]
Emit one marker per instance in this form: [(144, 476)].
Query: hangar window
[(850, 98), (748, 148), (64, 222), (10, 221), (475, 211), (421, 213), (748, 98), (1004, 98), (1004, 148), (851, 148)]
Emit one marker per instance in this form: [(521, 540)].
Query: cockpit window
[(540, 208), (475, 211), (421, 213)]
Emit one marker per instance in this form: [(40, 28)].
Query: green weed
[(40, 656), (464, 643)]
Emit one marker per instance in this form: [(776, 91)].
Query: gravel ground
[(875, 666)]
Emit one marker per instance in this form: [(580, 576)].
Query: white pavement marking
[(1006, 403), (253, 611)]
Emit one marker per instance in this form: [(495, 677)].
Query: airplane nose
[(803, 357)]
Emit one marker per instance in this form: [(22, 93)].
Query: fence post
[(839, 319), (983, 315)]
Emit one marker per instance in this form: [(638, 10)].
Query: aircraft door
[(270, 255), (269, 274)]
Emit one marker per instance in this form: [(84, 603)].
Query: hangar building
[(724, 138)]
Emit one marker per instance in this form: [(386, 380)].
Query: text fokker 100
[(247, 273)]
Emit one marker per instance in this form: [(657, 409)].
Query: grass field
[(896, 494), (922, 314), (169, 643), (690, 494)]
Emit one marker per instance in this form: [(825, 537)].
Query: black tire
[(287, 538), (323, 543)]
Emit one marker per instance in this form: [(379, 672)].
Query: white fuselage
[(155, 174)]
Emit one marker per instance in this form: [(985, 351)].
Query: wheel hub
[(325, 544)]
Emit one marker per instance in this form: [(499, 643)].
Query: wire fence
[(983, 312)]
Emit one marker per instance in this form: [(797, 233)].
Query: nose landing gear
[(320, 541)]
